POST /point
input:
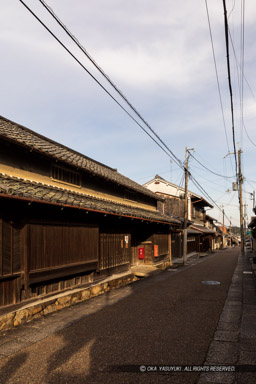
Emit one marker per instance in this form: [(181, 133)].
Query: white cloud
[(157, 52)]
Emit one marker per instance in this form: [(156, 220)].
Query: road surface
[(164, 320)]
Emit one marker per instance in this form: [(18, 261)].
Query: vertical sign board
[(156, 254), (126, 239), (141, 253)]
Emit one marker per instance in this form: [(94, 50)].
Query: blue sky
[(159, 54)]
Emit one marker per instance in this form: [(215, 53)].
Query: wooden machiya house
[(199, 236), (67, 220)]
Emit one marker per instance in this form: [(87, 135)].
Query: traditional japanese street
[(127, 192), (171, 318)]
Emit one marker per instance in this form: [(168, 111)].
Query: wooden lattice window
[(66, 175)]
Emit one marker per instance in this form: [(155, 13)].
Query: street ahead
[(167, 319)]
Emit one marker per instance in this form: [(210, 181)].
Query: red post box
[(141, 253)]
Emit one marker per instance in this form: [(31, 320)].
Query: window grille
[(66, 175)]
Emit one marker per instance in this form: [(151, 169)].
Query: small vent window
[(66, 175), (130, 195)]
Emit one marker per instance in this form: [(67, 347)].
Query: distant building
[(200, 234)]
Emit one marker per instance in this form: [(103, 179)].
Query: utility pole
[(245, 217), (230, 233), (223, 228), (240, 186), (240, 178), (185, 231)]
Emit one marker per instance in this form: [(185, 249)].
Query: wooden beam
[(61, 271)]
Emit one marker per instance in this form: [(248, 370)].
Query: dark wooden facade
[(153, 250), (66, 220), (115, 250), (40, 255)]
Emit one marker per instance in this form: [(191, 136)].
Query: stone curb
[(224, 349), (234, 342), (45, 306)]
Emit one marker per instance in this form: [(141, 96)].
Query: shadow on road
[(168, 319), (11, 366)]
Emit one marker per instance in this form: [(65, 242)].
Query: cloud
[(157, 52)]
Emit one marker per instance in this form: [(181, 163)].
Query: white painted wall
[(172, 190)]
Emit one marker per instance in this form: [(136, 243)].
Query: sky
[(159, 54)]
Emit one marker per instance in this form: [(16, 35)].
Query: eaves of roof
[(17, 188), (203, 230), (193, 195), (25, 137), (193, 232)]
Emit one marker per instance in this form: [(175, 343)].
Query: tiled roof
[(32, 140), (202, 229), (192, 194), (39, 192), (193, 232)]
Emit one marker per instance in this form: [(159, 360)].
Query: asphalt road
[(168, 319)]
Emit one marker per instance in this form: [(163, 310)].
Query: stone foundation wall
[(45, 306), (164, 265)]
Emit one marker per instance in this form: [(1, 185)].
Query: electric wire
[(248, 135), (194, 181), (171, 155), (215, 181), (217, 174), (216, 73), (232, 198), (198, 175), (242, 72), (174, 158), (232, 9), (229, 82), (106, 76), (94, 78), (249, 182)]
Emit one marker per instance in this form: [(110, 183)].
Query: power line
[(248, 135), (243, 75), (205, 193), (171, 154), (229, 81), (248, 181), (217, 174), (105, 76), (216, 72), (98, 82), (242, 68), (209, 181), (232, 9)]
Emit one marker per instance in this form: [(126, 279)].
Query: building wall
[(115, 250), (45, 249), (171, 192), (19, 162)]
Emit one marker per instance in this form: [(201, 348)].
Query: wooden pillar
[(170, 247), (25, 252)]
